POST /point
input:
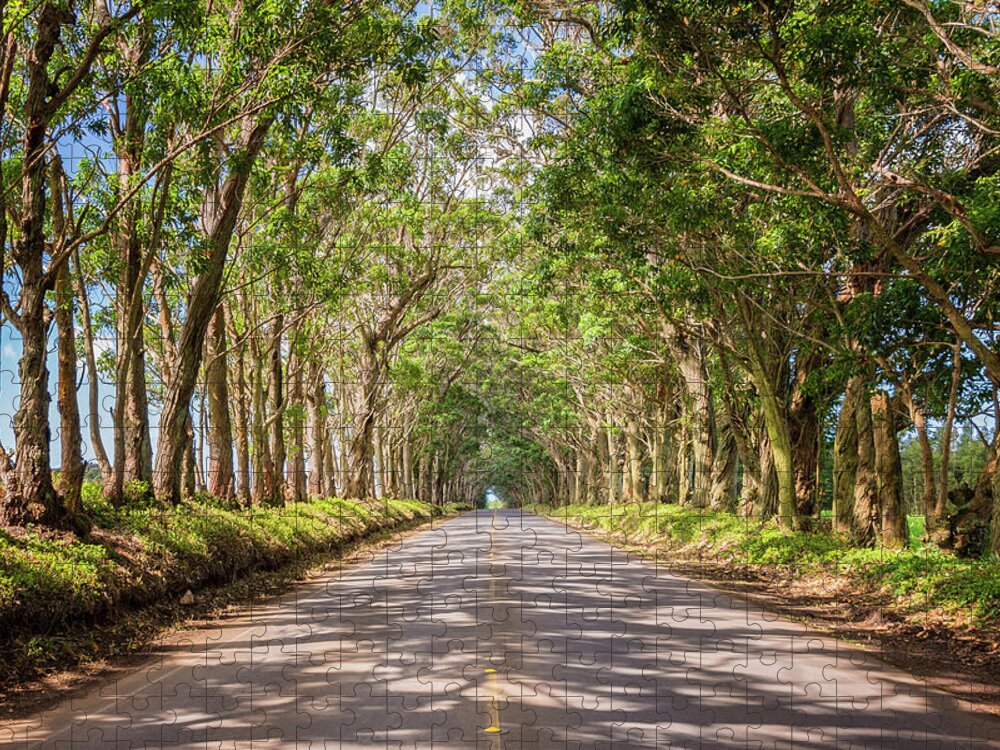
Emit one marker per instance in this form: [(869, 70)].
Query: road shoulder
[(139, 637)]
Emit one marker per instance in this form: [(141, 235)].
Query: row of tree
[(768, 246), (728, 254), (238, 224)]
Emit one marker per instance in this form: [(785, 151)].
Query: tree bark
[(866, 516), (241, 410), (633, 457), (723, 494), (276, 409), (889, 473), (330, 459), (614, 494), (408, 484), (221, 477), (699, 413), (189, 482), (264, 480), (685, 469), (30, 495), (317, 423), (803, 423), (779, 436), (297, 489), (132, 403), (71, 441), (845, 456), (975, 527), (767, 503), (93, 386), (222, 208), (359, 452)]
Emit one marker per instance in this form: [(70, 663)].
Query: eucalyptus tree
[(49, 52), (883, 113), (408, 249), (318, 47)]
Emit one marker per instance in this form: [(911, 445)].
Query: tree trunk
[(975, 527), (330, 459), (359, 454), (436, 479), (241, 410), (633, 459), (749, 458), (866, 520), (378, 463), (317, 423), (408, 486), (93, 386), (784, 468), (845, 456), (297, 428), (991, 491), (659, 488), (276, 407), (72, 469), (613, 494), (265, 483), (582, 473), (767, 504), (750, 489), (685, 468), (345, 418), (699, 414), (138, 456), (779, 436), (888, 473), (723, 493), (30, 496), (221, 208), (188, 470), (221, 478), (803, 423)]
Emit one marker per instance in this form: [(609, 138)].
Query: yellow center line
[(495, 726)]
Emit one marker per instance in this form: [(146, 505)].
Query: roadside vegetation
[(913, 582), (52, 584)]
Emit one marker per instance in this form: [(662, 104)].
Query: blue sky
[(10, 354)]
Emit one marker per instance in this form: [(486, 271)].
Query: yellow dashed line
[(495, 727)]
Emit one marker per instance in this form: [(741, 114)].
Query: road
[(503, 630)]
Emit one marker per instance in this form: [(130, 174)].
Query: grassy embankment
[(920, 584), (54, 586)]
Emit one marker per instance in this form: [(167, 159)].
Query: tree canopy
[(735, 255)]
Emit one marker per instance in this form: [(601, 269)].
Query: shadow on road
[(589, 647)]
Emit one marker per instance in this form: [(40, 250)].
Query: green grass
[(916, 524), (147, 551), (919, 578)]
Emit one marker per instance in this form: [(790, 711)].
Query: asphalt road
[(508, 631)]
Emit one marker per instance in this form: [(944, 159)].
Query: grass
[(918, 579), (144, 552)]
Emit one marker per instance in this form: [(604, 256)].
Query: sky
[(10, 385)]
